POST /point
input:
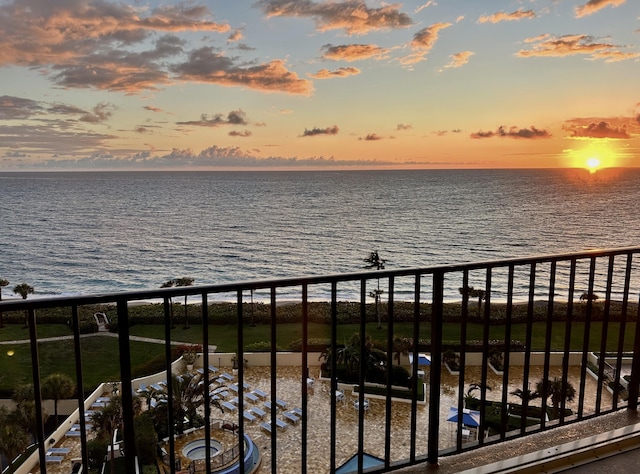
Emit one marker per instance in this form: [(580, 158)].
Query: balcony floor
[(511, 454)]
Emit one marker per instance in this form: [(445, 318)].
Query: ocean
[(96, 232)]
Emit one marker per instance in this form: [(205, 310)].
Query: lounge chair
[(268, 406), (226, 376), (54, 459), (249, 417), (233, 387), (251, 397), (297, 411), (54, 451), (213, 369), (260, 393), (291, 417), (281, 424), (73, 434), (266, 427), (281, 403), (258, 412), (229, 406), (143, 388)]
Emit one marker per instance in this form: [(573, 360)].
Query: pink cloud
[(592, 6), (502, 16)]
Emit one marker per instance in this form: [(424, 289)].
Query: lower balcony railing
[(515, 346)]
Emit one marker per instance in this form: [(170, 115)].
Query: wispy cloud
[(403, 126), (340, 72), (240, 134), (422, 43), (353, 16), (372, 137), (208, 66), (352, 52), (592, 6), (514, 132), (312, 132), (570, 45), (578, 128), (459, 59), (502, 16), (235, 117)]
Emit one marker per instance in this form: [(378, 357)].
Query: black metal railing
[(570, 311)]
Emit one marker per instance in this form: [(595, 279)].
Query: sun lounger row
[(54, 459), (53, 451), (268, 427)]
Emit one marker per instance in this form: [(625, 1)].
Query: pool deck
[(289, 439)]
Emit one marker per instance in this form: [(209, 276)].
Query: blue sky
[(318, 84)]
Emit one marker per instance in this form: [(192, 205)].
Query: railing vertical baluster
[(567, 337), (463, 354), (125, 377), (585, 341), (436, 367), (362, 364), (547, 344), (168, 308), (604, 334), (414, 370), (485, 354), (390, 348), (623, 319), (274, 380), (504, 417), (305, 375), (75, 321), (334, 378), (205, 373), (526, 389), (240, 362), (37, 392)]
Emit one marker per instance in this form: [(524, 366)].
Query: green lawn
[(100, 355)]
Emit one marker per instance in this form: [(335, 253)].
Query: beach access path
[(212, 348)]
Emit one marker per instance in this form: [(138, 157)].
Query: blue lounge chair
[(55, 459), (281, 403), (229, 406), (213, 369), (297, 411), (251, 397), (53, 451), (291, 417), (268, 405), (226, 376), (266, 426), (258, 412), (260, 393), (249, 417), (281, 424)]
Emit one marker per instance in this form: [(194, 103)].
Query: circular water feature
[(197, 449)]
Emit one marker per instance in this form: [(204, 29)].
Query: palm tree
[(25, 411), (106, 421), (24, 290), (374, 261), (170, 284), (188, 397), (471, 292), (185, 281), (554, 389), (525, 395), (401, 346), (13, 438), (57, 387), (470, 396), (3, 282)]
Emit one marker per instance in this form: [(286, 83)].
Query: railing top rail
[(160, 293)]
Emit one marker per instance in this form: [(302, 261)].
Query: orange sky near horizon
[(351, 84)]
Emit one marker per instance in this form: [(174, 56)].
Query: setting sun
[(593, 164)]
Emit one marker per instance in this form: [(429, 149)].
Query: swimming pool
[(197, 449)]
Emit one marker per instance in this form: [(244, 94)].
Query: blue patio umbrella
[(469, 417), (423, 359)]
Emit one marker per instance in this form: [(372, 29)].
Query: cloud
[(353, 16), (426, 5), (214, 157), (402, 126), (205, 65), (600, 129), (152, 109), (14, 108), (459, 59), (514, 132), (236, 35), (423, 41), (341, 72), (592, 6), (371, 137), (320, 131), (352, 52), (502, 16), (235, 117), (242, 134), (99, 113), (570, 45)]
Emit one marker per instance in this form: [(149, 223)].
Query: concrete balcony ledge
[(556, 450)]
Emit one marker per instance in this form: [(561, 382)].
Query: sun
[(593, 164)]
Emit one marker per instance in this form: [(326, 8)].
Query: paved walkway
[(212, 348)]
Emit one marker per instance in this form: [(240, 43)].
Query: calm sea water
[(69, 233)]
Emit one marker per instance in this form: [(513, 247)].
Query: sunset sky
[(312, 84)]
